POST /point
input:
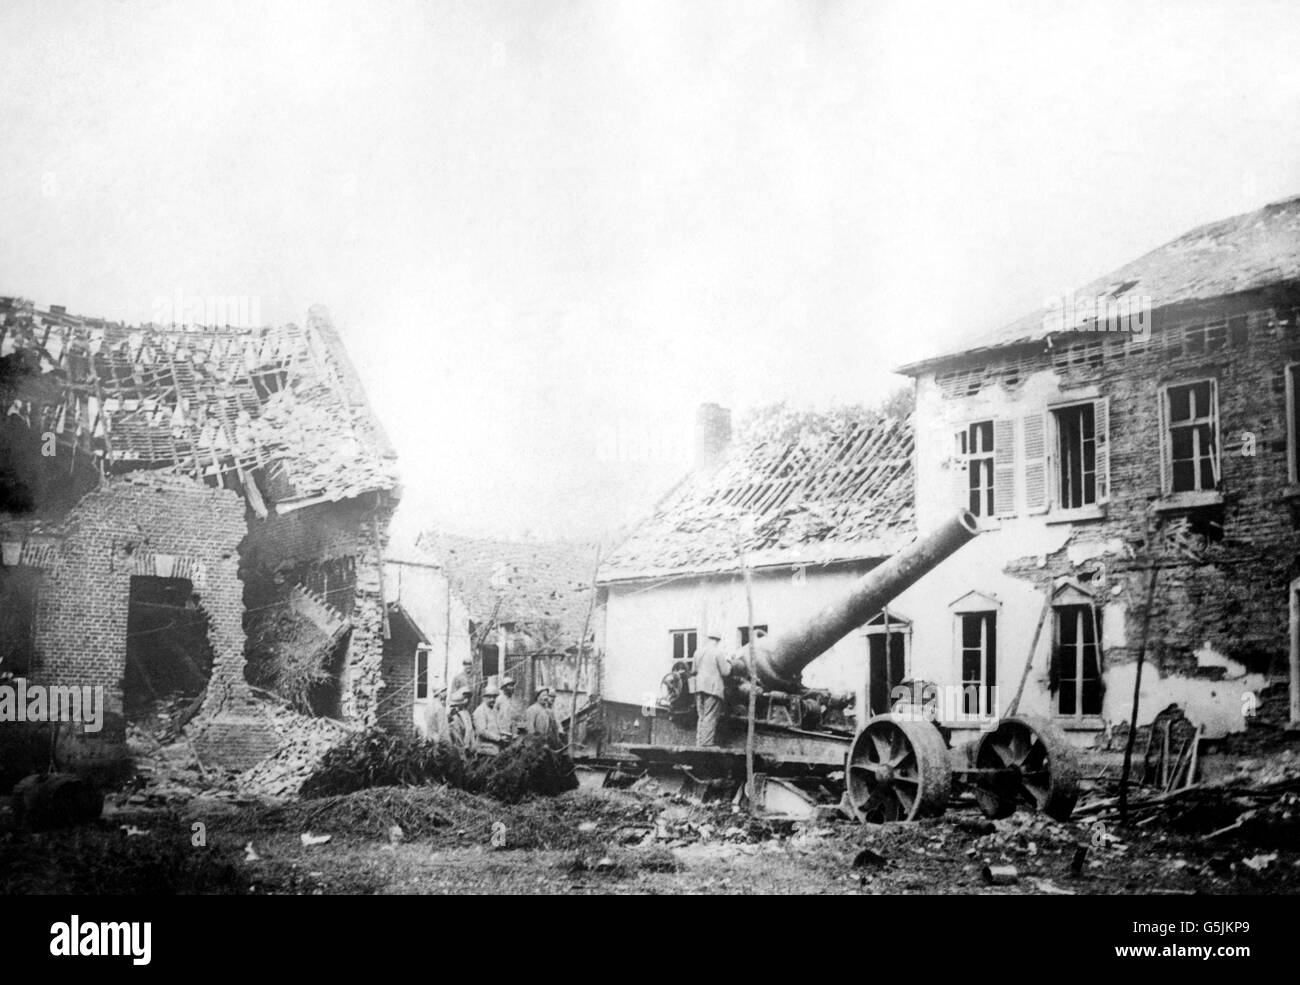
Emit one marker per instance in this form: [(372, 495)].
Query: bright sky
[(531, 218)]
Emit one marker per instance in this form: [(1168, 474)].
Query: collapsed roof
[(1243, 253), (277, 413), (808, 489)]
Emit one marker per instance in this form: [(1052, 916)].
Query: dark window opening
[(168, 656), (1193, 453), (490, 657), (1292, 379), (683, 644), (421, 673), (979, 662), (18, 593), (743, 632), (975, 447), (1075, 662), (1077, 455), (886, 668)]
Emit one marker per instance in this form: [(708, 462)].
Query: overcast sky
[(529, 218)]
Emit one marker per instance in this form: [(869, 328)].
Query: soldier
[(465, 678), (487, 723), (462, 726), (712, 668), (510, 716), (541, 721), (435, 722)]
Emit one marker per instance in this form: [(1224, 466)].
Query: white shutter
[(1162, 429), (960, 479), (1035, 428), (1004, 467), (1101, 422)]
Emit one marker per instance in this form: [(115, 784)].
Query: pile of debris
[(305, 741), (166, 773), (1259, 801)]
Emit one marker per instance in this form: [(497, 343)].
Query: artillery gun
[(895, 767)]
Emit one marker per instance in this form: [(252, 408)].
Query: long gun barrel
[(779, 667)]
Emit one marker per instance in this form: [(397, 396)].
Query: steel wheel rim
[(1043, 774), (894, 772)]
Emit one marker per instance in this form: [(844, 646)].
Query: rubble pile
[(167, 774), (305, 742)]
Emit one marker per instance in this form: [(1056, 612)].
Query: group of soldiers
[(496, 720)]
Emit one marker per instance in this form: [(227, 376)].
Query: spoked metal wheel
[(897, 771), (1036, 768)]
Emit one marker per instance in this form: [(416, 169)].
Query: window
[(743, 633), (421, 673), (975, 450), (683, 644), (1191, 448), (1292, 422), (1076, 670), (1082, 458), (888, 643), (979, 662)]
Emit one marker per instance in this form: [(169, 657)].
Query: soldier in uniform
[(461, 729), (712, 668), (487, 725)]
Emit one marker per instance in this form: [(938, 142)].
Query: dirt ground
[(436, 840)]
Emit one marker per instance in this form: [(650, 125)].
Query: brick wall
[(335, 550), (141, 524), (1235, 597)]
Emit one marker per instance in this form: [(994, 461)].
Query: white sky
[(531, 217)]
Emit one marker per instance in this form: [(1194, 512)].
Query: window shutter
[(1035, 427), (960, 482), (1004, 467), (1162, 416), (1101, 422)]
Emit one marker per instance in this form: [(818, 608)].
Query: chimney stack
[(712, 434)]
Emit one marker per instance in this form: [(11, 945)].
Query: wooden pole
[(753, 677), (1137, 692), (582, 646), (1033, 648), (446, 645)]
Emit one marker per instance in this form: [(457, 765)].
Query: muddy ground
[(438, 840)]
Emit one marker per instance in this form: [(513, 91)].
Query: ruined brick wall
[(141, 524), (335, 549), (1234, 598), (398, 669)]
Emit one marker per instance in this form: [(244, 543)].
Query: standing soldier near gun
[(712, 668)]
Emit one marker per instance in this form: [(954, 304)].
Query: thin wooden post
[(446, 644), (1033, 648), (582, 646), (1137, 692), (753, 677)]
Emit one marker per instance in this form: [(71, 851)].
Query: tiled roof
[(1246, 252), (825, 488), (218, 404)]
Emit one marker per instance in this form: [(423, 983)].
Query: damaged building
[(1135, 442), (811, 502), (529, 605), (189, 516), (1132, 457)]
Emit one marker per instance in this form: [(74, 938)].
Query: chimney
[(712, 434)]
